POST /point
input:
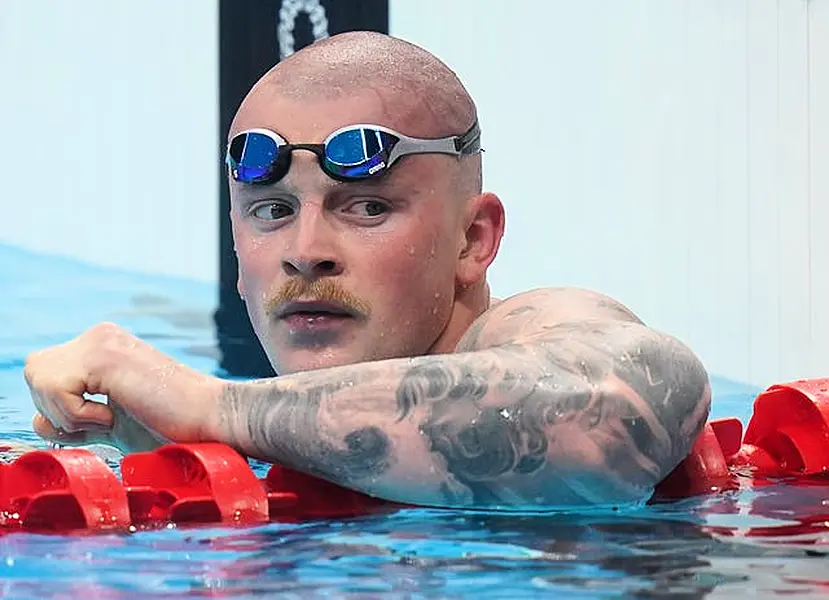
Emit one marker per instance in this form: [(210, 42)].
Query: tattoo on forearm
[(432, 381), (361, 453), (582, 406)]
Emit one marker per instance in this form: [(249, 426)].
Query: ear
[(484, 223), (239, 286)]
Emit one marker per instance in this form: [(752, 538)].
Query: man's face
[(337, 273)]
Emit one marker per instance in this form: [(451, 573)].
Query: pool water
[(765, 542)]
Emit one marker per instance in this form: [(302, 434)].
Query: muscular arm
[(555, 398)]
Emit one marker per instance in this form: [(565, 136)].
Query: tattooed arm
[(554, 398)]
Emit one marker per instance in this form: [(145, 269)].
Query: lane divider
[(786, 440), (74, 490)]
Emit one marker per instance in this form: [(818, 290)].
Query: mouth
[(313, 310)]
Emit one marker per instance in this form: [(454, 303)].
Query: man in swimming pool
[(362, 261)]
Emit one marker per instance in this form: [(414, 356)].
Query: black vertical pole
[(253, 36)]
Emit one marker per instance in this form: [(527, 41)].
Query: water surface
[(768, 541)]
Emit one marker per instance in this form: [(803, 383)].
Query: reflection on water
[(421, 553), (766, 541)]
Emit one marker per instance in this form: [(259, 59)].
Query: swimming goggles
[(352, 153)]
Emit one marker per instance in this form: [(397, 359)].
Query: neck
[(470, 303)]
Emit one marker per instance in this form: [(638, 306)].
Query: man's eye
[(369, 208), (272, 211)]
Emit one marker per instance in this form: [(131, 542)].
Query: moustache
[(318, 290)]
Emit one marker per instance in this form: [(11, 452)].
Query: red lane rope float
[(62, 490), (74, 490), (206, 483), (787, 438)]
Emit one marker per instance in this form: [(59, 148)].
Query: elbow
[(661, 396), (633, 433)]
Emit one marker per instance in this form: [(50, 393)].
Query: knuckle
[(30, 367), (104, 344), (104, 331)]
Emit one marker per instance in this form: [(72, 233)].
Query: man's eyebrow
[(254, 191)]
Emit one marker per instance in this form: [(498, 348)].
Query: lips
[(313, 309), (314, 325)]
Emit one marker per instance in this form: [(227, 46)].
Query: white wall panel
[(110, 126), (671, 153)]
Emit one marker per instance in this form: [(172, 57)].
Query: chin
[(306, 360)]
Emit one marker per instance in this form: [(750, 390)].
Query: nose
[(312, 252)]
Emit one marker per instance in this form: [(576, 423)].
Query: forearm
[(370, 427), (579, 417)]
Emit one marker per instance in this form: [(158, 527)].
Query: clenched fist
[(150, 398)]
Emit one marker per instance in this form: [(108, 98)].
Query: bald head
[(421, 93), (410, 80)]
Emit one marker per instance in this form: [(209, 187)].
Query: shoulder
[(524, 315), (566, 304)]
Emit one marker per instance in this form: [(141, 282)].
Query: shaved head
[(402, 256), (417, 90)]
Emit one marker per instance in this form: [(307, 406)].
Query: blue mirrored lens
[(252, 157), (360, 152)]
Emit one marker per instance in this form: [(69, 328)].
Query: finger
[(94, 435), (71, 413), (44, 408), (39, 393), (42, 426)]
